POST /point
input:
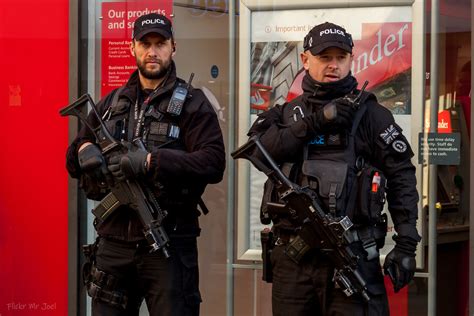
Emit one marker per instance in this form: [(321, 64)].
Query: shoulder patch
[(389, 134), (399, 146)]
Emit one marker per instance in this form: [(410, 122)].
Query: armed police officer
[(183, 152), (351, 155)]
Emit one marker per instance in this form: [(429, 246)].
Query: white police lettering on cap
[(331, 31), (153, 21)]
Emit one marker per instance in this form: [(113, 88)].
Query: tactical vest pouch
[(271, 205), (115, 119), (328, 179), (371, 196), (162, 129)]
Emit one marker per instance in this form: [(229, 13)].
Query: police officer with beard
[(184, 152), (349, 156)]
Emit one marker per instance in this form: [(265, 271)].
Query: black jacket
[(179, 171), (284, 133)]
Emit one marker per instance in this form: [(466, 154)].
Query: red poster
[(383, 52), (117, 25), (444, 122)]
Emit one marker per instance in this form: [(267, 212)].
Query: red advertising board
[(383, 52), (117, 24), (33, 179), (444, 122)]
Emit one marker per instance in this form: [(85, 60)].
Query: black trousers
[(169, 286), (307, 289)]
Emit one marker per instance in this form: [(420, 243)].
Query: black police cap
[(327, 35)]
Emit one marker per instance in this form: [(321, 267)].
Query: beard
[(157, 73)]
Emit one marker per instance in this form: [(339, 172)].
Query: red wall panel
[(33, 138)]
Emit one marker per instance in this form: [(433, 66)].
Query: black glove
[(90, 159), (128, 166), (400, 263), (264, 121), (338, 113)]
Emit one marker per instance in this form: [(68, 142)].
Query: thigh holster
[(101, 285), (105, 287)]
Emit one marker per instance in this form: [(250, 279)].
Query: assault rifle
[(131, 192), (316, 228)]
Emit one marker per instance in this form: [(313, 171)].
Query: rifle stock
[(316, 228), (131, 192)]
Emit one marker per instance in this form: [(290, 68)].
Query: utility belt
[(372, 238)]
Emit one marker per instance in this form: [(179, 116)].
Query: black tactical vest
[(160, 128), (342, 180), (330, 164)]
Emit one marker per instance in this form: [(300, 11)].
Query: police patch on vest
[(329, 140), (389, 135), (400, 146), (318, 140)]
